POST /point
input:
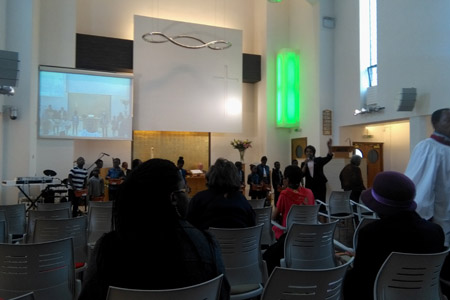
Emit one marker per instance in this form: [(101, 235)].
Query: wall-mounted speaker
[(251, 68), (407, 99), (104, 53), (9, 68), (112, 54)]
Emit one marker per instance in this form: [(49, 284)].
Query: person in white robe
[(429, 169)]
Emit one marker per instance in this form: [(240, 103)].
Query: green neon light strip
[(288, 89)]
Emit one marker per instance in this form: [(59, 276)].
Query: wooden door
[(298, 146), (373, 152)]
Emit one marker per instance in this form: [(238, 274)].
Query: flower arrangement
[(241, 145)]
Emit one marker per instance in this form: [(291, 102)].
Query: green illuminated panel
[(288, 93)]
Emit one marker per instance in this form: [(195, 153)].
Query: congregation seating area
[(43, 252), (313, 267)]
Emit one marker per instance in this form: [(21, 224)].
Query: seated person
[(222, 204), (293, 194), (399, 229), (152, 246)]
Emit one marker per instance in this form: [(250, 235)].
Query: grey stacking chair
[(304, 214), (27, 296), (99, 222), (363, 211), (338, 206), (410, 276), (33, 215), (209, 290), (15, 215), (264, 216), (3, 228), (53, 206), (257, 203), (46, 269), (241, 254), (310, 246), (352, 250), (55, 229), (308, 284), (100, 204)]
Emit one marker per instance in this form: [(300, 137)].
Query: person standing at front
[(77, 181)]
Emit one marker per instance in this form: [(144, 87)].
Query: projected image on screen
[(85, 105)]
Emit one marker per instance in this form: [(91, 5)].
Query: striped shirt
[(78, 178)]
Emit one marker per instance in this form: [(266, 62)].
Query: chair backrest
[(15, 215), (257, 203), (362, 211), (311, 284), (310, 246), (33, 215), (339, 203), (100, 204), (241, 253), (27, 296), (209, 290), (55, 229), (305, 214), (3, 232), (99, 222), (264, 216), (47, 269), (53, 206), (3, 228), (409, 276)]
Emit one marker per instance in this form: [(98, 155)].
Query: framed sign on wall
[(326, 122)]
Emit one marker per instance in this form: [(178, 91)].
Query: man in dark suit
[(277, 181), (312, 169), (263, 171), (399, 229)]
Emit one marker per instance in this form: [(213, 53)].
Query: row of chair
[(49, 223), (245, 269), (16, 226), (402, 276), (47, 270), (338, 206)]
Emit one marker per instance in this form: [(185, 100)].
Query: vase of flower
[(241, 155), (241, 146)]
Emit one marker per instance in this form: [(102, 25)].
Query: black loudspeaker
[(407, 99), (9, 68), (116, 55), (104, 53), (251, 68)]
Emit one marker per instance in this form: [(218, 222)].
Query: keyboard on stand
[(28, 180)]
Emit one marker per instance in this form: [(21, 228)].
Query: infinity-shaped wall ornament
[(214, 45)]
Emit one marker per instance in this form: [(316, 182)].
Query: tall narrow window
[(368, 43)]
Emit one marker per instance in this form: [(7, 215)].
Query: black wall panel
[(116, 55)]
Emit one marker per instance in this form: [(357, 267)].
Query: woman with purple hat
[(399, 229)]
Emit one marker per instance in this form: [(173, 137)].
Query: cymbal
[(49, 173)]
